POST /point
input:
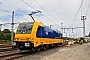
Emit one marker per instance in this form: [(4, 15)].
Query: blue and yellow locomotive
[(34, 35)]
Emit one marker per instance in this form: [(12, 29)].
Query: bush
[(5, 36)]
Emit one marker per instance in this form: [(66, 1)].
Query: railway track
[(9, 55), (6, 49), (3, 45), (13, 54)]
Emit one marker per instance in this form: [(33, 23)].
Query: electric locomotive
[(35, 36)]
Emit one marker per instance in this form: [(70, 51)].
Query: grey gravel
[(77, 52)]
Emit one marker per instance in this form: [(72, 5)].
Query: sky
[(53, 12)]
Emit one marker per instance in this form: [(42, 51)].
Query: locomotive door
[(41, 40), (40, 34)]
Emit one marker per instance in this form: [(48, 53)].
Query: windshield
[(25, 28)]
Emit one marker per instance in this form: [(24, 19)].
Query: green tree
[(81, 38), (6, 31), (8, 36), (1, 35), (5, 37), (5, 34)]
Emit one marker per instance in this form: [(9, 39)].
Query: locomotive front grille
[(22, 39)]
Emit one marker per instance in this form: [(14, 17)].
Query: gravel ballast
[(77, 52)]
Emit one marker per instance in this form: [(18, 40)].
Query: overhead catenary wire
[(4, 10), (49, 17), (28, 4), (81, 9), (6, 17), (32, 8), (67, 22), (87, 8), (18, 8), (75, 18), (35, 9), (4, 24), (14, 6), (44, 8), (78, 11)]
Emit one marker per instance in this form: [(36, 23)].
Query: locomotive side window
[(25, 28)]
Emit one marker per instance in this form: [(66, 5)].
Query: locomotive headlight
[(14, 43), (28, 38), (16, 38)]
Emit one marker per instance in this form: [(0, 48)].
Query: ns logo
[(46, 33)]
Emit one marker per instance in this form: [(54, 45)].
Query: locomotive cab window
[(38, 28), (25, 28)]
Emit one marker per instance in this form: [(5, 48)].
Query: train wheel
[(57, 45), (41, 47), (33, 50), (38, 49), (50, 46), (54, 45), (20, 51), (47, 46), (44, 48)]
